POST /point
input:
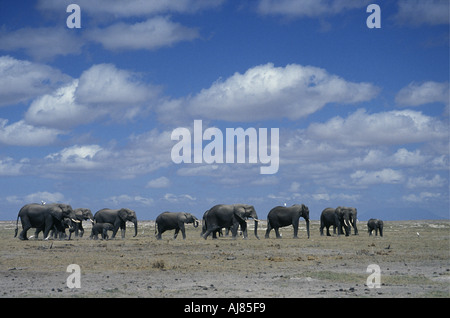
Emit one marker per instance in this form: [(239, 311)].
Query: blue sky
[(86, 115)]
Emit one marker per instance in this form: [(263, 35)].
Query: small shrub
[(158, 264)]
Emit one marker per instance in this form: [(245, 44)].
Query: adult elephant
[(281, 216), (174, 221), (117, 218), (218, 231), (344, 215), (82, 214), (349, 214), (45, 217), (229, 216), (330, 217), (375, 224)]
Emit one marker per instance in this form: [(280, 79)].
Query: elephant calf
[(101, 228), (375, 224)]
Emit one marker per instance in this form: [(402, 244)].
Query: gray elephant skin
[(45, 217), (229, 216), (330, 217), (348, 218), (375, 224), (118, 219), (102, 229), (281, 216), (82, 214), (174, 221)]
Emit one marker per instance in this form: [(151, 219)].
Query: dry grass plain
[(411, 265)]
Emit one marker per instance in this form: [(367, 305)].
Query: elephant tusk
[(76, 221)]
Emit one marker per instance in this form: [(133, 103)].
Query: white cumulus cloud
[(267, 92), (307, 8), (21, 80), (419, 12), (42, 43), (388, 176), (59, 109), (22, 134), (151, 34), (392, 127), (416, 94), (161, 182)]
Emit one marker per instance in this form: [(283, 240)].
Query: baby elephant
[(375, 224), (101, 228)]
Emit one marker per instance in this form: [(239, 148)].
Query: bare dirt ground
[(411, 264)]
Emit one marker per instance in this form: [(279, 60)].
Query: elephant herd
[(55, 218)]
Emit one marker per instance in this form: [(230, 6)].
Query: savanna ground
[(411, 265)]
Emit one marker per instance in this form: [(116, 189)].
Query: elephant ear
[(56, 212), (123, 213), (239, 212)]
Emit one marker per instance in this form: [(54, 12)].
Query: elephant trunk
[(307, 227), (256, 229), (135, 228), (347, 227), (196, 223)]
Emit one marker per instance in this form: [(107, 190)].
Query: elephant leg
[(295, 226), (26, 225), (328, 231), (176, 233), (277, 232), (23, 235), (122, 230), (244, 230), (269, 228), (70, 233), (114, 232), (208, 231), (183, 231), (234, 229), (160, 232)]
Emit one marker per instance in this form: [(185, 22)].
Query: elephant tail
[(17, 226)]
